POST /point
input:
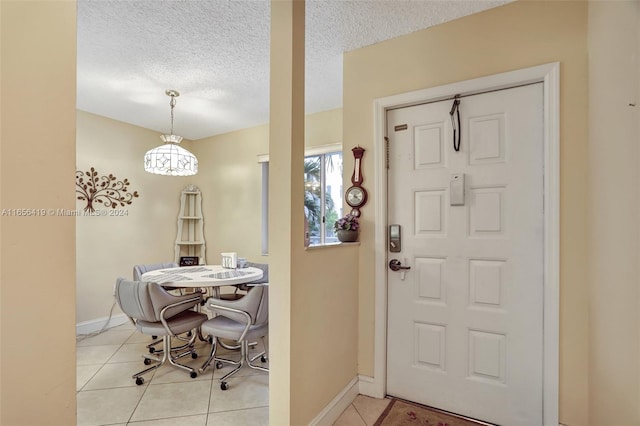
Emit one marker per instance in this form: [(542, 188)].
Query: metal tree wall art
[(105, 190)]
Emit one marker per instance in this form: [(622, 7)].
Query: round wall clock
[(356, 196)]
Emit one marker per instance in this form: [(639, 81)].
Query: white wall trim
[(369, 387), (549, 75), (336, 407), (92, 326)]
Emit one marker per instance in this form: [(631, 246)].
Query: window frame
[(263, 160)]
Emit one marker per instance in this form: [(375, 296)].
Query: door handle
[(396, 265)]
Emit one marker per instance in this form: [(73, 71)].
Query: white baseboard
[(92, 326), (370, 387), (335, 408)]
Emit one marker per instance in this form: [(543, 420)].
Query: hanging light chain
[(172, 103), (173, 93)]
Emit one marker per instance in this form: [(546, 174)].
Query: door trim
[(549, 75)]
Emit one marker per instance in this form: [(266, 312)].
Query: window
[(322, 194)]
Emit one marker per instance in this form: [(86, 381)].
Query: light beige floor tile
[(170, 374), (254, 349), (109, 337), (130, 353), (370, 408), (244, 372), (173, 400), (84, 373), (234, 356), (243, 392), (107, 406), (252, 416), (117, 375), (137, 337), (86, 355), (349, 417), (199, 420)]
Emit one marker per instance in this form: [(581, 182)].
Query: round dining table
[(202, 276)]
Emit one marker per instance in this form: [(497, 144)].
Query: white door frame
[(549, 75)]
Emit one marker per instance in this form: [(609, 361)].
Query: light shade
[(170, 159)]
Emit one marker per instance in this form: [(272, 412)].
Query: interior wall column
[(614, 322), (37, 177), (286, 191)]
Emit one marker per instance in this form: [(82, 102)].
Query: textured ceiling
[(216, 54)]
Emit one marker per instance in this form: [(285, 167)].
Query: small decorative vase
[(347, 236)]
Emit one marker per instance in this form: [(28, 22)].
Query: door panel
[(465, 324)]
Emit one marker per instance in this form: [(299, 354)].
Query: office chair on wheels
[(240, 290), (154, 311), (138, 270), (242, 321)]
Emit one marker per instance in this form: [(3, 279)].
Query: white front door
[(465, 322)]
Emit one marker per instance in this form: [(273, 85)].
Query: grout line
[(138, 404), (360, 415), (206, 420)]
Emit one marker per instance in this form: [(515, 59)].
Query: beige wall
[(107, 247), (510, 37), (614, 323), (37, 165)]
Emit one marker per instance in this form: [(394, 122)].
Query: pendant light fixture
[(171, 159)]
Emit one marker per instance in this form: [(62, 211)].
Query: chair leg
[(167, 355), (138, 376), (244, 358), (152, 346), (262, 355), (189, 351), (153, 350), (212, 355)]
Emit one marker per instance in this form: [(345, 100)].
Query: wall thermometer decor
[(356, 195)]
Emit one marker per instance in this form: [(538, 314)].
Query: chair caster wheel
[(154, 337), (263, 358), (194, 355), (139, 380), (189, 334), (147, 361), (219, 366), (224, 386), (152, 350), (193, 374), (210, 340)]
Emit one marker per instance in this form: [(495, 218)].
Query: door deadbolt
[(396, 265)]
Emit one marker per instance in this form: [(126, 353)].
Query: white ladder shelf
[(190, 239)]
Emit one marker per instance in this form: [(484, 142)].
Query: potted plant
[(346, 228)]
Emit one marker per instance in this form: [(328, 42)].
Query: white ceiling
[(216, 54)]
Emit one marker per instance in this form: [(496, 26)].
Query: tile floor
[(364, 411), (107, 395)]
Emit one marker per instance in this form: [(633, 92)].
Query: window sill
[(321, 246)]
